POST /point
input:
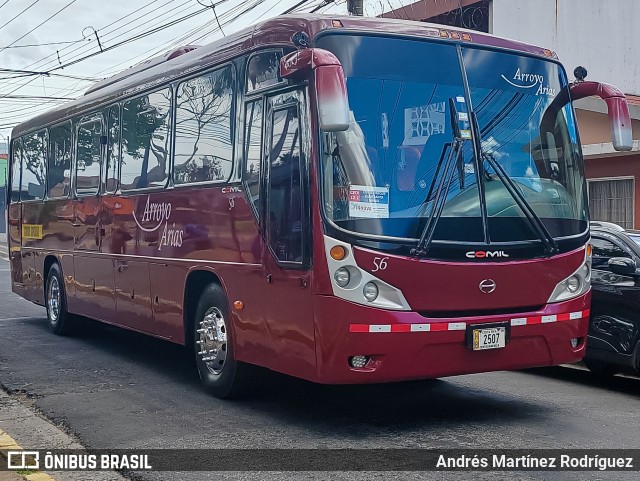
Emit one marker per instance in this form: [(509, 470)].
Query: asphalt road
[(111, 388)]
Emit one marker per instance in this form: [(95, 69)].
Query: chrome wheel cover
[(212, 340), (54, 300)]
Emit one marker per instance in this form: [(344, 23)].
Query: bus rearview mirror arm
[(329, 82), (617, 110)]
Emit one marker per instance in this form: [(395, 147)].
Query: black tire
[(55, 299), (601, 370), (221, 374)]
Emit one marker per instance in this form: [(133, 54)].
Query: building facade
[(596, 34)]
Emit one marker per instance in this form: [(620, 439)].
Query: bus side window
[(59, 162), (113, 149), (146, 141), (34, 153), (285, 194), (88, 156), (253, 150), (204, 134), (16, 170), (263, 71)]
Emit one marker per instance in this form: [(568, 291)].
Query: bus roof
[(276, 31)]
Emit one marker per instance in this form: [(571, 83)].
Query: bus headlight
[(342, 277), (573, 284), (576, 284), (355, 284), (370, 291)]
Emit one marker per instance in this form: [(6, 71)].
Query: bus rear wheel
[(221, 374), (58, 318)]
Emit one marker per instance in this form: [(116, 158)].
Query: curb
[(7, 443), (35, 432)]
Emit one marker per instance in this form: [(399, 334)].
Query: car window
[(603, 250), (634, 237)]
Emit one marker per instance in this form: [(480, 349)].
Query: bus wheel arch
[(197, 281)]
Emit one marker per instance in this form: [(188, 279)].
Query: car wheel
[(221, 374), (59, 319), (601, 370)]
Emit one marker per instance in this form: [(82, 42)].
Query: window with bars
[(611, 200)]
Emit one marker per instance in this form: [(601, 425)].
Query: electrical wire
[(9, 21), (40, 24)]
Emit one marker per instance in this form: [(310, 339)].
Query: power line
[(40, 24), (7, 1), (42, 44), (8, 22), (129, 40)]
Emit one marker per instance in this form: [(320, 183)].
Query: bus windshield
[(382, 176)]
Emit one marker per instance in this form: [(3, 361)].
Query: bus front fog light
[(573, 284), (370, 291), (342, 276), (574, 342), (358, 361)]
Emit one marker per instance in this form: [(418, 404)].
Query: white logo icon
[(23, 460)]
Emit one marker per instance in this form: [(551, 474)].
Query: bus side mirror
[(617, 109), (330, 84)]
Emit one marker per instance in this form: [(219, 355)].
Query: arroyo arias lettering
[(527, 80), (156, 216)]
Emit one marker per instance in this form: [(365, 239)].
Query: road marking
[(7, 443), (20, 318)]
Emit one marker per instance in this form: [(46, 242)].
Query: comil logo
[(485, 254), (23, 460)]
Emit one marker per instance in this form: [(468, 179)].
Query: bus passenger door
[(94, 274), (286, 255)]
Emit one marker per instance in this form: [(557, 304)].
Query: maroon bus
[(342, 199)]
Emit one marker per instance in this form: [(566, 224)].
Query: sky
[(70, 34)]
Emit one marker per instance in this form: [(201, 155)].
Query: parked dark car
[(614, 330)]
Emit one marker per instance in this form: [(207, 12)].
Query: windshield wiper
[(453, 161), (534, 221)]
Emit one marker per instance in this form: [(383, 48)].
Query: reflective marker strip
[(461, 326)]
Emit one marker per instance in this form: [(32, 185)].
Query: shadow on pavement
[(622, 384), (398, 406)]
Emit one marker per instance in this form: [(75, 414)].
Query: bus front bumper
[(407, 345)]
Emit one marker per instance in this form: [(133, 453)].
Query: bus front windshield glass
[(411, 142)]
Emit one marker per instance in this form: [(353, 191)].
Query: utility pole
[(355, 7)]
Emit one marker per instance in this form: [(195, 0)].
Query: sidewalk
[(3, 238)]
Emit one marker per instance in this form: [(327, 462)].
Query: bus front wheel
[(221, 374), (59, 319)]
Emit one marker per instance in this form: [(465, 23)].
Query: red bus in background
[(346, 200)]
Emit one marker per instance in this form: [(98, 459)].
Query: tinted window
[(204, 137), (285, 196), (59, 164), (34, 151), (88, 158), (253, 149), (16, 152), (263, 70), (145, 141), (113, 149), (603, 250)]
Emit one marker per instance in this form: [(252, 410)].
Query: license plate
[(489, 338)]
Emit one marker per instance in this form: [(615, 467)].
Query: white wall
[(597, 34)]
